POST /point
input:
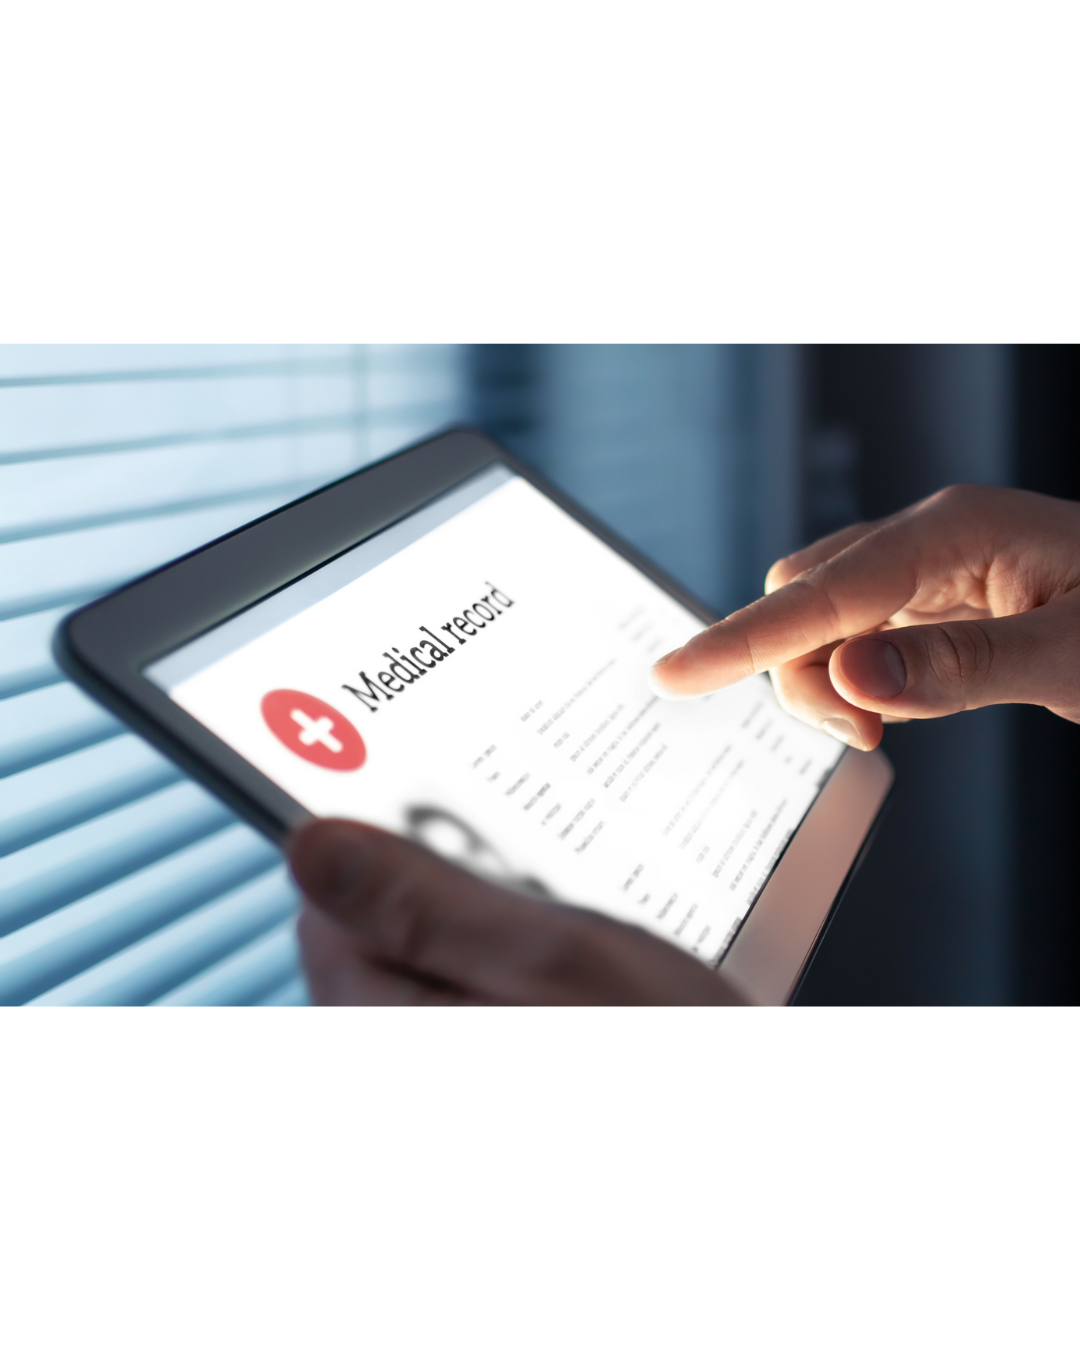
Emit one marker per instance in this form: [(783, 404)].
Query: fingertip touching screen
[(474, 677)]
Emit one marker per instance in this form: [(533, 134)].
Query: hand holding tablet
[(392, 923)]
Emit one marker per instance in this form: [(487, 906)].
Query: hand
[(969, 598), (388, 922)]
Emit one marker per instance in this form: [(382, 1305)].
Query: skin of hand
[(388, 922), (968, 598)]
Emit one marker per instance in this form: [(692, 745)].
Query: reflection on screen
[(475, 678)]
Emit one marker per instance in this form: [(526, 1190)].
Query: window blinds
[(120, 881)]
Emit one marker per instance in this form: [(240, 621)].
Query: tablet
[(444, 645)]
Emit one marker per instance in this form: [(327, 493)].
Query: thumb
[(387, 889), (930, 670), (413, 912)]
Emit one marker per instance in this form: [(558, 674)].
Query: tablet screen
[(475, 677)]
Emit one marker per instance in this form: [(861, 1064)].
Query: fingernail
[(663, 690), (843, 730), (875, 667), (654, 676)]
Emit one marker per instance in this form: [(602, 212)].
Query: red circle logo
[(313, 730)]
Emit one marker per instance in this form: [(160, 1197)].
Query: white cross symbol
[(319, 731)]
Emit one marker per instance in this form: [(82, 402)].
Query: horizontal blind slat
[(245, 977), (66, 791), (26, 660), (36, 573), (48, 723), (61, 945), (292, 994), (55, 871), (283, 489), (402, 423), (148, 968), (42, 415), (118, 360), (36, 497)]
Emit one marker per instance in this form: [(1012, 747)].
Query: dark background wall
[(969, 894), (1047, 750)]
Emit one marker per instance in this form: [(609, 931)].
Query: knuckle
[(818, 583), (961, 659), (959, 499), (952, 496), (732, 640), (753, 656)]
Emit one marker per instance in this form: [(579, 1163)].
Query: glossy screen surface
[(476, 678)]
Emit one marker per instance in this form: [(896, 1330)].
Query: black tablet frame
[(105, 646)]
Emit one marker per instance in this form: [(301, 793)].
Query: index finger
[(850, 592)]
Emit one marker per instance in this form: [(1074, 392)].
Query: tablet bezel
[(105, 647)]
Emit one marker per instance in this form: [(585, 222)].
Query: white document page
[(484, 690)]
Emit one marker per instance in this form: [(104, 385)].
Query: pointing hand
[(969, 598)]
